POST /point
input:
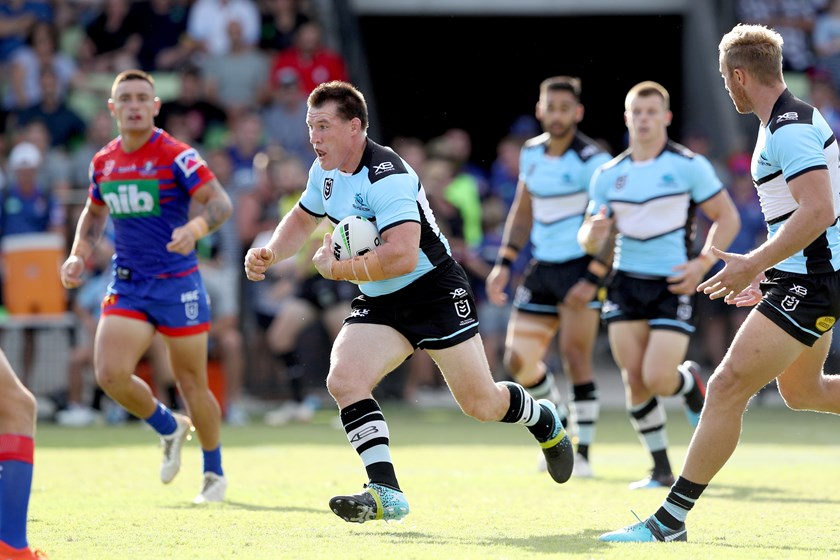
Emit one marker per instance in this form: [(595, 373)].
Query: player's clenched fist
[(257, 261), (71, 272)]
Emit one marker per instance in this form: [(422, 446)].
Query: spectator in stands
[(245, 143), (208, 22), (258, 209), (504, 171), (285, 118), (313, 62), (65, 126), (100, 131), (220, 261), (162, 25), (17, 17), (793, 19), (464, 191), (826, 39), (27, 207), (41, 51), (280, 20), (203, 117), (236, 79), (825, 97), (54, 170), (112, 40), (459, 144), (412, 150)]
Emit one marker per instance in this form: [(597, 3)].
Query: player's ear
[(355, 125), (157, 105), (111, 107)]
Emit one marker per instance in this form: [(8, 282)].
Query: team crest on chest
[(109, 167), (620, 182), (328, 183)]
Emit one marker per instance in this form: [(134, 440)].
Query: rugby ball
[(354, 236)]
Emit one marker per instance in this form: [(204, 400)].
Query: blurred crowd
[(234, 76)]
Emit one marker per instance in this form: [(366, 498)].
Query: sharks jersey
[(653, 203), (797, 140), (387, 191), (148, 194), (559, 189)]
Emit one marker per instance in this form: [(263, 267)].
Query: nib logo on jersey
[(136, 199)]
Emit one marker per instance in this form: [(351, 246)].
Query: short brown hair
[(350, 103), (129, 75), (561, 83), (646, 89), (755, 49)]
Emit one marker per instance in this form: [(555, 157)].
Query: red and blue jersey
[(148, 195)]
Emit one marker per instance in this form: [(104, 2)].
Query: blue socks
[(16, 456), (213, 460), (162, 420)]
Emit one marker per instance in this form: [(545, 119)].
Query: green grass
[(473, 490)]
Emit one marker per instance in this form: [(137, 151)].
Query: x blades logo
[(383, 167)]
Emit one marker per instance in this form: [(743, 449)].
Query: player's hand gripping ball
[(354, 236)]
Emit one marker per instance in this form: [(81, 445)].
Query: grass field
[(473, 489)]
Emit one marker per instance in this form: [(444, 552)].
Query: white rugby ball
[(353, 236)]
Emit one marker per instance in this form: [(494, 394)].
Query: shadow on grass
[(766, 494), (229, 504), (585, 542), (762, 494)]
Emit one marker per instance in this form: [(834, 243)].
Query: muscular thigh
[(465, 369), (364, 353), (665, 350), (807, 369), (120, 342), (188, 355), (628, 340), (578, 328), (762, 350)]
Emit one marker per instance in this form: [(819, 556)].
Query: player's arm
[(725, 225), (89, 230), (515, 237), (216, 208), (288, 238), (815, 214), (396, 256)]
